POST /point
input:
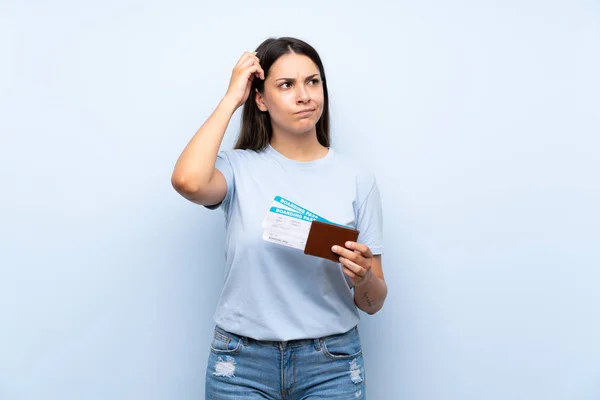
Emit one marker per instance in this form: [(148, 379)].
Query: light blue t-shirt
[(275, 292)]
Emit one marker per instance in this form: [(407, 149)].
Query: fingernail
[(334, 248)]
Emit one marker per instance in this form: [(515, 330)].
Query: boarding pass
[(288, 224)]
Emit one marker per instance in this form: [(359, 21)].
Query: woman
[(286, 321)]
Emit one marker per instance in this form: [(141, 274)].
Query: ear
[(258, 98)]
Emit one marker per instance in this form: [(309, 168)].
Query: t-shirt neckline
[(302, 164)]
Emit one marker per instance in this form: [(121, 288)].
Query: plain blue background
[(479, 118)]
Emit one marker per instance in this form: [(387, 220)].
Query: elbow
[(373, 311), (370, 309), (181, 183), (184, 185)]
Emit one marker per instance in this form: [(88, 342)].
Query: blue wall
[(480, 119)]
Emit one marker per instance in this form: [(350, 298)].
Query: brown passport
[(322, 237)]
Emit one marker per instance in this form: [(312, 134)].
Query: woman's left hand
[(356, 260)]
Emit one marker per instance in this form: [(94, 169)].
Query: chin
[(300, 132), (304, 128)]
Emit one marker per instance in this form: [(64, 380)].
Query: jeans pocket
[(341, 347), (224, 342)]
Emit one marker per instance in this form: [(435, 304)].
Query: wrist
[(366, 281), (229, 104)]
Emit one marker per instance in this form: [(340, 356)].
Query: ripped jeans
[(325, 368)]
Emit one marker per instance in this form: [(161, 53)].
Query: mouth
[(306, 111)]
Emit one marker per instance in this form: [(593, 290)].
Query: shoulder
[(239, 155), (365, 179)]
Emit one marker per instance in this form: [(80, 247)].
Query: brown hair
[(256, 130)]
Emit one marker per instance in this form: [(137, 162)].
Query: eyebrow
[(294, 80)]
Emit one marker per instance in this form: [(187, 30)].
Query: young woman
[(286, 322)]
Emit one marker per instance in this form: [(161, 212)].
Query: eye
[(283, 85), (315, 81)]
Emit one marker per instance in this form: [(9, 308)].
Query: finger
[(352, 266), (349, 254), (241, 60), (255, 58), (248, 67), (252, 61), (350, 274), (261, 72), (252, 70), (247, 62), (247, 55), (362, 248)]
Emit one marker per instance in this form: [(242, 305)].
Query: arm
[(370, 294), (366, 272), (195, 176)]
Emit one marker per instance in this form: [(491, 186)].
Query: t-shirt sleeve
[(223, 164), (370, 221)]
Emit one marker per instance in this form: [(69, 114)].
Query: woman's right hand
[(247, 68)]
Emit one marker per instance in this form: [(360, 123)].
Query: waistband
[(282, 344)]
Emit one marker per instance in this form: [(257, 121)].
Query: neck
[(299, 147)]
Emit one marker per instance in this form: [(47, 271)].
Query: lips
[(306, 111)]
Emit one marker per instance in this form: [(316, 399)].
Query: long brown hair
[(256, 130)]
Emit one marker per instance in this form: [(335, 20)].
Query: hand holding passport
[(291, 225), (323, 236)]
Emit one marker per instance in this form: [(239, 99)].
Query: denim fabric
[(241, 368)]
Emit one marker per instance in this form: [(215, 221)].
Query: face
[(293, 94)]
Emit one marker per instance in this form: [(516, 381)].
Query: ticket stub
[(288, 224)]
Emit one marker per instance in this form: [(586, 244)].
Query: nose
[(302, 95)]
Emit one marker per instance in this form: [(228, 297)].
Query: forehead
[(293, 65)]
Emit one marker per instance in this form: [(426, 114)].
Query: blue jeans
[(241, 368)]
